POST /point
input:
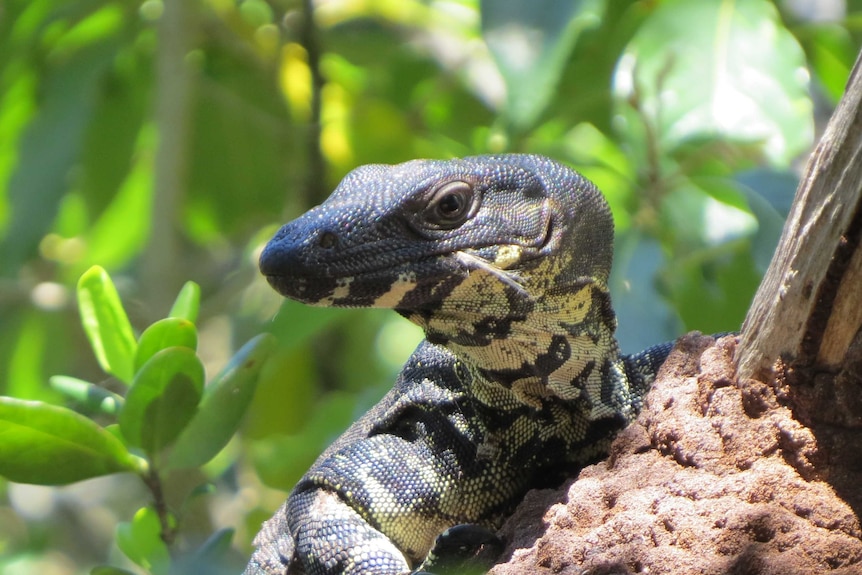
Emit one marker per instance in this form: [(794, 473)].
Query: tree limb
[(807, 310)]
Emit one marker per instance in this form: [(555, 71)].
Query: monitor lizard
[(503, 261)]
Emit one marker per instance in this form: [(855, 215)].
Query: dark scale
[(504, 262)]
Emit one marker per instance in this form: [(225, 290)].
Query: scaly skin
[(503, 261)]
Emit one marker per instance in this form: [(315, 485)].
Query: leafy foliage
[(52, 445), (690, 116), (107, 325)]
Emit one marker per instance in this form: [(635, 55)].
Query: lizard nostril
[(327, 240)]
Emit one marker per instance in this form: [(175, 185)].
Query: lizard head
[(406, 236)]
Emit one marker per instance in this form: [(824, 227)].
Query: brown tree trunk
[(804, 327), (808, 310)]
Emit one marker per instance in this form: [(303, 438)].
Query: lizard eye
[(449, 205)]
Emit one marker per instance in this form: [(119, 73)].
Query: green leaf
[(295, 323), (201, 490), (718, 68), (769, 195), (224, 403), (252, 151), (106, 323), (645, 317), (141, 541), (41, 175), (87, 394), (832, 51), (531, 42), (712, 289), (601, 161), (187, 303), (280, 460), (119, 233), (287, 391), (702, 212), (162, 399), (49, 445), (109, 570), (119, 110), (209, 557), (216, 546), (30, 350), (165, 333)]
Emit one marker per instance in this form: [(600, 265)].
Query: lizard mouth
[(344, 277), (509, 278), (365, 288), (417, 282), (415, 285)]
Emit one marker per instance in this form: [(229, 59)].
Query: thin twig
[(176, 30), (154, 483), (315, 188)]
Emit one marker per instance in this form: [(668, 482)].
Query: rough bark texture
[(747, 458), (715, 477), (807, 310)]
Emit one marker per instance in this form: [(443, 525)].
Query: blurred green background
[(166, 141)]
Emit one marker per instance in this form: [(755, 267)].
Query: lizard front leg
[(351, 515), (333, 539)]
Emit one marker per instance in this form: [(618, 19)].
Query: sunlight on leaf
[(106, 324), (531, 42), (95, 27), (26, 378), (44, 160), (87, 394), (162, 399), (223, 405), (188, 302), (49, 445), (141, 542), (721, 68), (120, 232), (165, 333)]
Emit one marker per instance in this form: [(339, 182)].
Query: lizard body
[(503, 261)]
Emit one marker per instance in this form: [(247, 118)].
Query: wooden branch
[(315, 190), (162, 271), (808, 308)]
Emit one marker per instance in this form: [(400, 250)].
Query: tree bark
[(808, 309)]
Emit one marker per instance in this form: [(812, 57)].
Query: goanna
[(503, 261)]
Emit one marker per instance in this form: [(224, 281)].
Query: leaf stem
[(153, 481)]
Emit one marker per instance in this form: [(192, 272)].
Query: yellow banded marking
[(400, 287), (341, 291)]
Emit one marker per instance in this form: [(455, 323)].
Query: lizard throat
[(557, 345)]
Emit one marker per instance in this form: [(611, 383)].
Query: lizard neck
[(556, 346)]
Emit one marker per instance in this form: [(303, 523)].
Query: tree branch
[(807, 310), (176, 30), (315, 187)]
